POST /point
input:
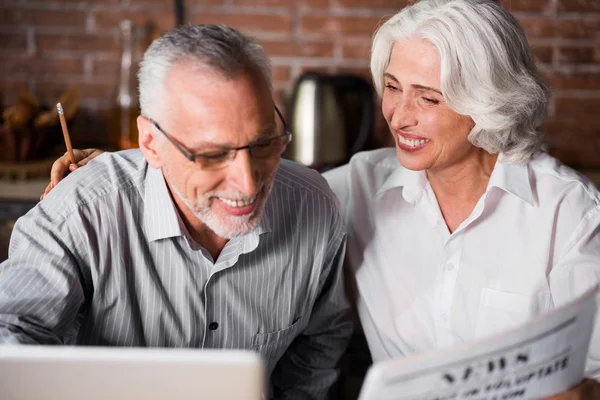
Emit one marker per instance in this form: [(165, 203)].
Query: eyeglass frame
[(193, 156)]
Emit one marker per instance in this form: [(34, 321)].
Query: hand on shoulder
[(63, 166)]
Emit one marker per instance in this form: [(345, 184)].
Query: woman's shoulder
[(365, 172), (552, 178)]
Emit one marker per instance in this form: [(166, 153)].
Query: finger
[(87, 155), (47, 190), (73, 167), (59, 169)]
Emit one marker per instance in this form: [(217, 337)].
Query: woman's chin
[(412, 161)]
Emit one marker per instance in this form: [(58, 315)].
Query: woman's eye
[(431, 101), (390, 87)]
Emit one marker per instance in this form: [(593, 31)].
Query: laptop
[(117, 373)]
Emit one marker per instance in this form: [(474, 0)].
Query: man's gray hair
[(487, 70), (221, 48)]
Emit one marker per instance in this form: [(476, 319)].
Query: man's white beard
[(234, 225)]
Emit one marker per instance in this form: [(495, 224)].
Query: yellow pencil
[(63, 124)]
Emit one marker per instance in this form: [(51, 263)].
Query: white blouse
[(531, 243)]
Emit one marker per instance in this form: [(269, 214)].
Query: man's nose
[(242, 173)]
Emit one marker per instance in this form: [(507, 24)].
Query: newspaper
[(543, 357)]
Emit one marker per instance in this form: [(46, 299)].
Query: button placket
[(449, 274)]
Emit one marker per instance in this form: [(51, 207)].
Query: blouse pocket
[(499, 311)]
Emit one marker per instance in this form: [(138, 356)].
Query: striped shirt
[(105, 260)]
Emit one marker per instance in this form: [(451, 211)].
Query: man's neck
[(198, 230), (202, 235)]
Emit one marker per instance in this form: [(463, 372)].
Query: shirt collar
[(161, 220), (412, 182), (510, 177)]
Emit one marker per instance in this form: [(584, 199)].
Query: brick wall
[(48, 44)]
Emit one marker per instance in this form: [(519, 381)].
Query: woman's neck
[(458, 188)]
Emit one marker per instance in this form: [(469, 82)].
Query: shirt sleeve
[(577, 271), (307, 370), (41, 284)]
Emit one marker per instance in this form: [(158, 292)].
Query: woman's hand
[(63, 166), (586, 390)]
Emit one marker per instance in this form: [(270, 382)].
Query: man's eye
[(263, 144), (214, 155)]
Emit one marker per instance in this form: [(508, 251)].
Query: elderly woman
[(467, 227)]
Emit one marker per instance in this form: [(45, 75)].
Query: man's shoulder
[(107, 174)]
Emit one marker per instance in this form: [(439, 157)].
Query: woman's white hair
[(219, 47), (487, 70)]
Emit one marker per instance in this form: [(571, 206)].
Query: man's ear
[(149, 145)]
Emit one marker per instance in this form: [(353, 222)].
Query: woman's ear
[(149, 145)]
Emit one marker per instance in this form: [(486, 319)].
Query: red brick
[(281, 74), (542, 54), (319, 70), (9, 88), (526, 5), (387, 4), (82, 43), (163, 18), (188, 3), (538, 27), (313, 3), (325, 25), (578, 29), (106, 68), (364, 73), (573, 142), (36, 66), (296, 48), (575, 80), (579, 5), (577, 107), (579, 55), (265, 3), (16, 41), (247, 23), (359, 49), (27, 16), (81, 2), (282, 3), (50, 89)]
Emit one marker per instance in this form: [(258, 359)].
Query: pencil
[(63, 124)]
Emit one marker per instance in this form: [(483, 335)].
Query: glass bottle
[(124, 133)]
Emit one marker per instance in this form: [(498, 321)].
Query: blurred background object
[(331, 117), (30, 134), (123, 133)]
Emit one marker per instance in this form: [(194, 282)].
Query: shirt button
[(213, 325)]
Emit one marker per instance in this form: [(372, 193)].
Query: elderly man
[(201, 238)]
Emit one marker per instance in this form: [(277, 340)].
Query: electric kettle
[(331, 118)]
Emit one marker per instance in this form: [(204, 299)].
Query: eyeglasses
[(222, 157)]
